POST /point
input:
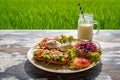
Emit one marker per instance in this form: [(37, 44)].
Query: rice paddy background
[(56, 14)]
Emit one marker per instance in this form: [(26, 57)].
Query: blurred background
[(56, 14)]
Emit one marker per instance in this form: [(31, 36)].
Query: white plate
[(51, 67)]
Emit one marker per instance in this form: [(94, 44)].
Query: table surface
[(14, 65)]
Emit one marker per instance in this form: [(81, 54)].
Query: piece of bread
[(51, 61)]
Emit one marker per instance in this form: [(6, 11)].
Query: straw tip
[(78, 4)]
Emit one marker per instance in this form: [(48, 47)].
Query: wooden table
[(14, 64)]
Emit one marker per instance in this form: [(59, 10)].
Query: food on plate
[(66, 50), (52, 44), (80, 63), (54, 56)]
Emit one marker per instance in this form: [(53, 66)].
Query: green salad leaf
[(94, 56)]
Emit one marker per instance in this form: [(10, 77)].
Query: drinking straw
[(81, 10)]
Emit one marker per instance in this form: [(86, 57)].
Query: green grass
[(56, 14)]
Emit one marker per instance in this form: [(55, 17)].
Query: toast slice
[(51, 61)]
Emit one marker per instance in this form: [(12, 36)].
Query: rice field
[(56, 14)]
